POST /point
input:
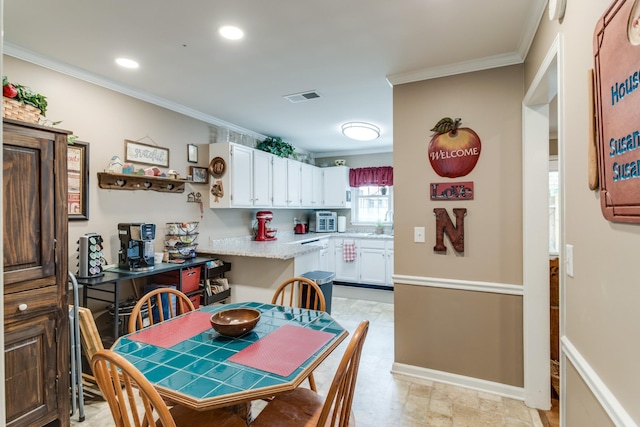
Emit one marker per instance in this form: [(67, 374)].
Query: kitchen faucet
[(388, 216)]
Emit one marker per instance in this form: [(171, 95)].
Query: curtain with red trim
[(381, 176)]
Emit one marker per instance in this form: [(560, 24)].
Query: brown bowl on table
[(235, 321)]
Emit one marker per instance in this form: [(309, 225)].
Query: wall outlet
[(418, 234)]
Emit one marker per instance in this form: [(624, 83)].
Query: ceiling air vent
[(303, 96)]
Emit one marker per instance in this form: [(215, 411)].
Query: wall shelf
[(119, 181)]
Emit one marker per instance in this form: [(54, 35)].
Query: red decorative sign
[(453, 151), (455, 233), (617, 108), (451, 190)]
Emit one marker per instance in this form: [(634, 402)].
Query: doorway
[(538, 118)]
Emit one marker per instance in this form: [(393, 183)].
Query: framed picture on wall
[(192, 153), (199, 175), (78, 181)]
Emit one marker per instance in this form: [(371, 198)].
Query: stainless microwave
[(326, 222)]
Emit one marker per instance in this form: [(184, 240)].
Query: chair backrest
[(336, 410), (89, 335), (159, 302), (300, 292), (132, 399)]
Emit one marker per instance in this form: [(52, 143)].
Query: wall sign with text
[(617, 109)]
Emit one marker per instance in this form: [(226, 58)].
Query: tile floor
[(385, 399)]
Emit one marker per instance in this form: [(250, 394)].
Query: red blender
[(263, 231)]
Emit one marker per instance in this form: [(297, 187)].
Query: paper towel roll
[(342, 224)]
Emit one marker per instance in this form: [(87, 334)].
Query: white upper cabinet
[(242, 182), (261, 179), (317, 188), (279, 182), (306, 185), (255, 179), (293, 183), (337, 193)]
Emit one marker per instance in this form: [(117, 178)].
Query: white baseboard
[(607, 399), (459, 381)]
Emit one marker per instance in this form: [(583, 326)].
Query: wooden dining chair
[(89, 337), (300, 292), (135, 402), (154, 302), (304, 407)]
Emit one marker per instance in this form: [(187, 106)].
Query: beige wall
[(489, 102), (475, 334), (600, 301)]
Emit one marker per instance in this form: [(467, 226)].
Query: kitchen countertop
[(287, 246)]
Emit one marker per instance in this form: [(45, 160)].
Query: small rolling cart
[(215, 287)]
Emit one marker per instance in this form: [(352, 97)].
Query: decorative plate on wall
[(217, 167)]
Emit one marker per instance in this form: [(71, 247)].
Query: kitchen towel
[(349, 250)]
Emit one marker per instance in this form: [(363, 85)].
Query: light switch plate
[(568, 253), (418, 234)]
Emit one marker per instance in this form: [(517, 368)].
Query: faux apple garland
[(453, 151)]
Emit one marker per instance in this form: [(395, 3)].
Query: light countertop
[(287, 245)]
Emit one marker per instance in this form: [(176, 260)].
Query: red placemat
[(171, 332), (282, 351)]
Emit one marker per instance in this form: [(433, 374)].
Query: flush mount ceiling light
[(127, 63), (230, 32), (361, 131)]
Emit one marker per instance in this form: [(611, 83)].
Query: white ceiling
[(349, 51)]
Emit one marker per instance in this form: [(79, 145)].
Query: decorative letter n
[(445, 226)]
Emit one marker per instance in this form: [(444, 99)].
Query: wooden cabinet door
[(30, 358), (28, 192)]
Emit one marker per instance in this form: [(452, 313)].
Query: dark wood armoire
[(36, 319)]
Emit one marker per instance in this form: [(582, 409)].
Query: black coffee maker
[(136, 246)]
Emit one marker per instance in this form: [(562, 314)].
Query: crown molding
[(480, 64), (454, 69)]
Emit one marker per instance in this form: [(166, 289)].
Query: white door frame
[(535, 177)]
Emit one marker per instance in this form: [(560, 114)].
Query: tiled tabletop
[(197, 373)]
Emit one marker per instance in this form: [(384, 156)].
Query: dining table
[(189, 363)]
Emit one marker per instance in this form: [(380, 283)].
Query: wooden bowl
[(235, 321)]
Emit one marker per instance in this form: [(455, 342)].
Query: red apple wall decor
[(453, 151)]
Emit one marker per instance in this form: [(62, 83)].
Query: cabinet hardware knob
[(23, 307)]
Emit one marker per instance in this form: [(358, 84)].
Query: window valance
[(360, 177)]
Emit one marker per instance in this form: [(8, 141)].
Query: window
[(554, 208), (372, 204)]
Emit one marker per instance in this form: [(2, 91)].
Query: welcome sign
[(617, 108)]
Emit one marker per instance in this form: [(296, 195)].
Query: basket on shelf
[(555, 376), (16, 110)]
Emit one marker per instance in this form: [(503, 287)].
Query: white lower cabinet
[(373, 264), (346, 271), (390, 261)]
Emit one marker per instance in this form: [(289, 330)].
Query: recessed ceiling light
[(361, 131), (127, 63), (230, 32)]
